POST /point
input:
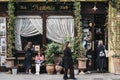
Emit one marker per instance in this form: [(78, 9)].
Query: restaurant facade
[(44, 21)]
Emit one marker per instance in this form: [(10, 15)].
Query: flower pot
[(116, 62), (82, 64), (58, 69), (50, 68), (10, 62)]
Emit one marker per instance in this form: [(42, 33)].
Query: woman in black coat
[(101, 56), (68, 62), (28, 57)]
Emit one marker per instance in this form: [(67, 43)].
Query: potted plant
[(10, 35), (51, 51), (79, 50)]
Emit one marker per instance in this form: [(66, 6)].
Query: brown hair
[(66, 45), (29, 45)]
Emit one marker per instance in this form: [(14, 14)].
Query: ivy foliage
[(10, 28), (78, 48), (114, 3)]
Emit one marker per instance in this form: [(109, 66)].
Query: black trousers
[(71, 73)]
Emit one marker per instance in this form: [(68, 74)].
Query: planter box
[(10, 62)]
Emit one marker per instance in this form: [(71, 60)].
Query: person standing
[(68, 62), (29, 50), (39, 58), (101, 56), (89, 59)]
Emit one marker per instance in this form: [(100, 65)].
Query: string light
[(95, 8)]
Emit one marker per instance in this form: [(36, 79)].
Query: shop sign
[(43, 6)]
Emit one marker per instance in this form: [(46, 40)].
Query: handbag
[(101, 54)]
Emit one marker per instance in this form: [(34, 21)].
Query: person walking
[(39, 58), (101, 56), (68, 62), (29, 50)]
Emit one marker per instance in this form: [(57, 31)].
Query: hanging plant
[(78, 48), (10, 28)]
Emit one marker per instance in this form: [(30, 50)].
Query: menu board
[(2, 40), (37, 48)]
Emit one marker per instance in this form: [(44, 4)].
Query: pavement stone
[(92, 76)]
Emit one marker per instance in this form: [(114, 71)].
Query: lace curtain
[(60, 27), (27, 26), (57, 28)]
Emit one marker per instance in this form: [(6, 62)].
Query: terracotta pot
[(50, 68), (58, 69), (116, 65), (82, 64), (10, 62)]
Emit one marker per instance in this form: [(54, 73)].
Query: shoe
[(9, 72), (29, 73), (65, 78), (88, 72), (72, 78), (26, 73), (97, 70), (36, 73)]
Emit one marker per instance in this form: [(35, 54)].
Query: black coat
[(67, 59), (101, 60), (99, 49), (28, 58)]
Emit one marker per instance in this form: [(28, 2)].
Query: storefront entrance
[(94, 28)]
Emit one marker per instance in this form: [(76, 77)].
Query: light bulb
[(95, 8)]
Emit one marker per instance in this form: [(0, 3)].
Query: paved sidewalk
[(92, 76)]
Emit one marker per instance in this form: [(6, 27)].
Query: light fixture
[(95, 8)]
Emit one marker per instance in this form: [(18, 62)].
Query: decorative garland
[(10, 28)]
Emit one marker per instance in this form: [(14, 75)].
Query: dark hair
[(66, 44), (29, 45)]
